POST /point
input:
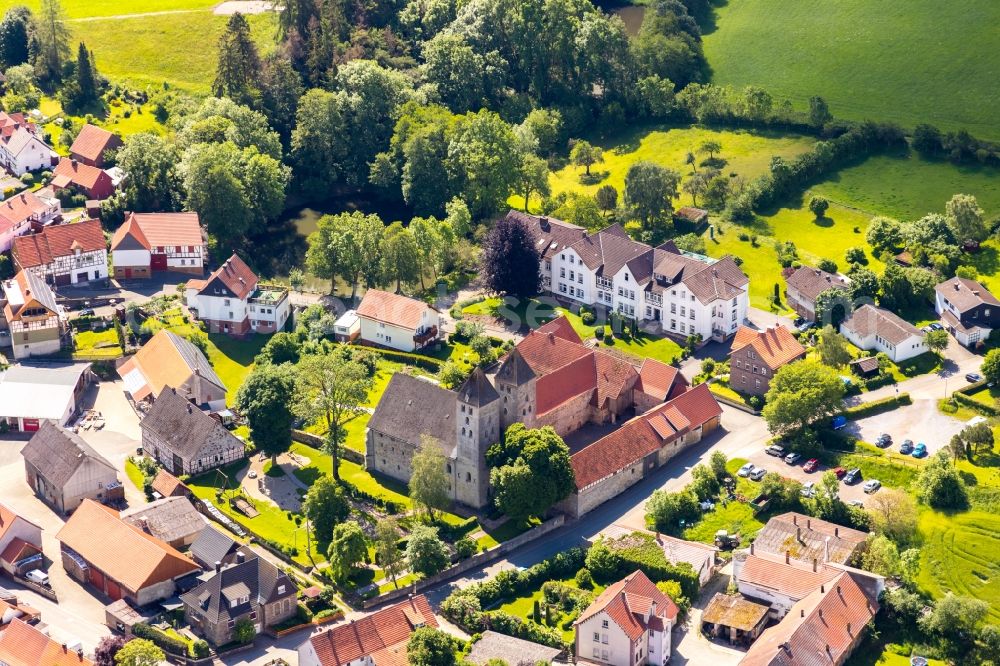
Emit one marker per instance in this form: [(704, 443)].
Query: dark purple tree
[(510, 260), (104, 653)]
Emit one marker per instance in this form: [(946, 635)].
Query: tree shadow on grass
[(825, 222), (594, 177)]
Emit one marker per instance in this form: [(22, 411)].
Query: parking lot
[(919, 422), (848, 492)]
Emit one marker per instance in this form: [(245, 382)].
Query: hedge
[(424, 362), (160, 639), (975, 405), (878, 381), (878, 406)]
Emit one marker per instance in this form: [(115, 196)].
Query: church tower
[(516, 385), (477, 426)]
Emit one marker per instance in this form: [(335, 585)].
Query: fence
[(280, 633), (473, 562), (46, 592), (737, 404)]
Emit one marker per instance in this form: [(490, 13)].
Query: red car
[(840, 472), (811, 465)]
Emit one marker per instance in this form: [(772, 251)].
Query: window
[(604, 624), (604, 639), (281, 589), (562, 287), (253, 615), (232, 623), (225, 302), (673, 308), (572, 275), (579, 278), (597, 637), (597, 653), (626, 277), (692, 314), (621, 292), (562, 272)]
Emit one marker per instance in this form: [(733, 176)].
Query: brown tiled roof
[(866, 364), (811, 282), (551, 235), (643, 435), (78, 173), (92, 141), (160, 230), (820, 629), (234, 274), (33, 289), (394, 309), (614, 377), (774, 346), (691, 214), (19, 208), (58, 453), (869, 319), (516, 651), (23, 645), (627, 603), (732, 610), (168, 485), (610, 249), (658, 379), (794, 578), (966, 294), (125, 553), (720, 280), (60, 240), (18, 549), (383, 634), (807, 537), (184, 430)]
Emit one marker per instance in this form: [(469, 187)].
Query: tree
[(832, 306), (484, 159), (530, 471), (325, 505), (894, 515), (86, 78), (139, 652), (16, 29), (509, 263), (881, 556), (153, 183), (937, 341), (265, 400), (965, 218), (818, 206), (711, 147), (819, 112), (833, 348), (107, 648), (955, 617), (237, 73), (387, 552), (606, 198), (717, 461), (649, 191), (357, 246), (429, 482), (425, 552), (704, 483), (828, 265), (428, 646), (864, 285), (669, 511), (545, 129), (52, 40), (318, 144), (801, 394), (697, 185), (940, 486), (331, 386), (533, 178), (884, 234), (991, 366), (691, 161), (586, 155), (976, 439), (348, 547), (281, 88), (244, 631), (400, 256)]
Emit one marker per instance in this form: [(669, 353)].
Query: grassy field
[(91, 344), (960, 555), (910, 61), (746, 153), (152, 42)]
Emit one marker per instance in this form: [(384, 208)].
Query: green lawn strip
[(892, 469), (960, 412), (734, 517), (401, 582), (987, 395), (510, 529), (524, 608), (134, 474), (76, 9), (895, 47), (642, 345)]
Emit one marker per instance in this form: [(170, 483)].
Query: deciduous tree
[(400, 256), (966, 218), (430, 647), (266, 399), (425, 551), (107, 648), (585, 154), (833, 348), (607, 198), (894, 514), (387, 552), (139, 652), (940, 486), (325, 505), (649, 191), (510, 259), (348, 548), (531, 471), (800, 394), (819, 206), (429, 482)]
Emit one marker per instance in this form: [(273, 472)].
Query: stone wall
[(607, 488), (567, 417)]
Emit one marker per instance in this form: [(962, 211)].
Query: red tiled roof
[(235, 274), (8, 518), (61, 240), (643, 435), (614, 377), (382, 635), (19, 208), (794, 579), (658, 379), (775, 346), (92, 141), (562, 328), (167, 484), (23, 645), (153, 230), (394, 309), (15, 550), (822, 628), (120, 550), (78, 173), (627, 603)]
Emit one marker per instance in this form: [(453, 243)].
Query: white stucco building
[(875, 329), (232, 301), (21, 148), (680, 293), (398, 322)]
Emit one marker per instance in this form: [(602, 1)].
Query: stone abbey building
[(549, 379)]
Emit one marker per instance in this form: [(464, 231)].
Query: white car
[(746, 470), (809, 489), (38, 576), (758, 473), (872, 486)]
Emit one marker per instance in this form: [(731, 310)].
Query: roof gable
[(233, 278), (57, 454), (61, 240), (774, 346), (92, 142), (394, 309), (411, 406), (184, 428)]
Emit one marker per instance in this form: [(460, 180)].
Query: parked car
[(811, 465), (906, 447), (840, 472), (252, 474), (38, 576), (808, 489), (973, 377), (852, 476), (839, 422), (805, 326), (745, 470), (872, 486), (775, 450), (793, 458), (758, 473), (857, 503), (920, 450), (884, 440), (937, 327), (797, 321), (87, 312)]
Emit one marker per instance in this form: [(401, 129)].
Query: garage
[(97, 579), (31, 425), (114, 590), (62, 280), (158, 262)]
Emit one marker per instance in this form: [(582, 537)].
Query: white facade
[(130, 257), (396, 336), (20, 227), (22, 154), (266, 308), (599, 639), (672, 306), (912, 346), (80, 267)]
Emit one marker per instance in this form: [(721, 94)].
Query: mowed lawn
[(961, 554), (814, 240), (910, 61), (746, 153), (79, 9)]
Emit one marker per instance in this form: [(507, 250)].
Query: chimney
[(788, 555), (795, 519), (543, 223), (241, 557), (815, 564), (751, 547), (822, 589), (849, 629), (144, 524), (552, 336), (838, 591), (218, 566), (809, 523), (73, 162), (196, 384), (826, 550), (802, 612), (798, 534), (836, 531), (189, 408), (821, 611)]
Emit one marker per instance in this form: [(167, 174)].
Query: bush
[(599, 332), (583, 579), (878, 406), (465, 548), (588, 318), (199, 649), (160, 639)]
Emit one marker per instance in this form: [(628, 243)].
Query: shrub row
[(878, 381), (975, 405), (160, 639), (424, 362), (878, 406)]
